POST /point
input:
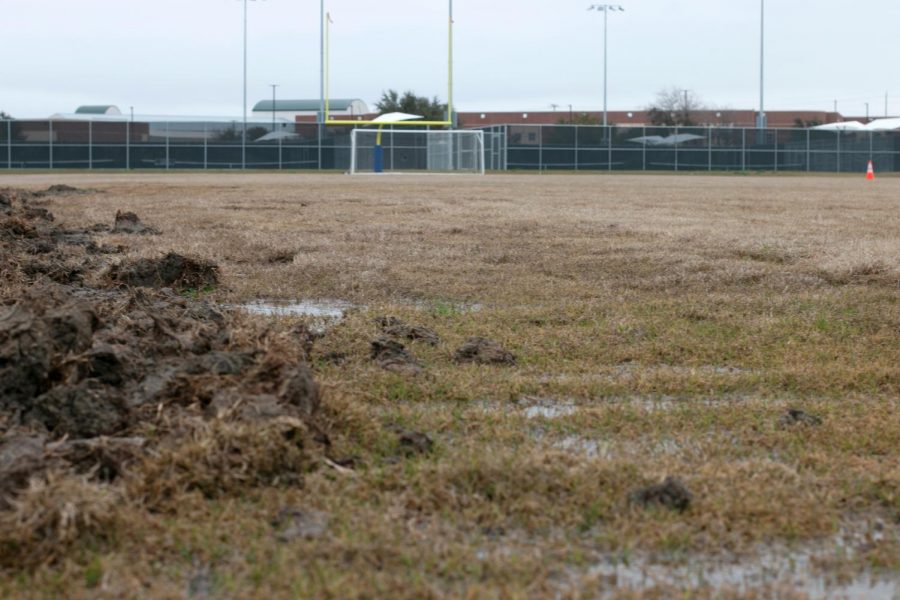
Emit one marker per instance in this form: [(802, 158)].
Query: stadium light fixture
[(605, 9)]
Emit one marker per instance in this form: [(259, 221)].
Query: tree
[(5, 116), (582, 118), (675, 107), (801, 124), (431, 110)]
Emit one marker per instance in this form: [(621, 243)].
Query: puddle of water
[(606, 449), (770, 574), (632, 370), (326, 309), (547, 408)]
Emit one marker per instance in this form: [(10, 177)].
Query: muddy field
[(269, 385)]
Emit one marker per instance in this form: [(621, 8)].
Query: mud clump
[(172, 270), (793, 417), (393, 356), (671, 494), (394, 327), (130, 223), (482, 351), (414, 442)]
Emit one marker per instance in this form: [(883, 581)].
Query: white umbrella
[(394, 117)]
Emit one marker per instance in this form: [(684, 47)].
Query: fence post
[(167, 145), (775, 135), (838, 132), (128, 146), (608, 148), (709, 147), (744, 149), (90, 145), (540, 148), (808, 152), (50, 140), (9, 144), (205, 146), (644, 148), (676, 148), (576, 145)]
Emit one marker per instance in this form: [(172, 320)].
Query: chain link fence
[(580, 147), (63, 144)]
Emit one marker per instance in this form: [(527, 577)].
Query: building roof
[(303, 105), (98, 109)]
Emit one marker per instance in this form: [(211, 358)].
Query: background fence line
[(217, 145)]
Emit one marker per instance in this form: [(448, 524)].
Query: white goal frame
[(405, 151)]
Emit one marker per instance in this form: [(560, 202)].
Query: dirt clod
[(396, 328), (483, 351), (293, 523), (415, 442), (173, 270), (130, 223), (391, 355), (671, 494), (794, 416)]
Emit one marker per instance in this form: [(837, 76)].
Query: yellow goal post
[(408, 123)]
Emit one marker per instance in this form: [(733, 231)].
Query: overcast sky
[(183, 57)]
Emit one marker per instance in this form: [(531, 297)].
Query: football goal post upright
[(409, 151)]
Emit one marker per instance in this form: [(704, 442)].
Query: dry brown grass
[(662, 326)]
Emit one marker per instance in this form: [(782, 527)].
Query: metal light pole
[(273, 86), (762, 121), (605, 9), (321, 119), (244, 131)]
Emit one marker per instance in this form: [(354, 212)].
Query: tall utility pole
[(273, 85), (762, 121), (450, 64), (605, 9), (321, 119), (244, 131)]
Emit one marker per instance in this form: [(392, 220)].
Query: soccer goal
[(408, 151)]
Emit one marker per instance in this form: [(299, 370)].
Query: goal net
[(409, 151)]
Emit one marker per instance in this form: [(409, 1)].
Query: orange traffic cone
[(870, 173)]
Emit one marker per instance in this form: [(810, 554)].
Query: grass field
[(662, 327)]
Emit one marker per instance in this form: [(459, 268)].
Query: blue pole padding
[(379, 158)]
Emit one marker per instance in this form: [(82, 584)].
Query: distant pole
[(274, 85), (244, 130), (605, 9), (761, 123), (886, 95), (321, 119), (835, 106), (450, 65), (867, 112), (571, 115)]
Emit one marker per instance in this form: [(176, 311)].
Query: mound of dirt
[(134, 393), (391, 355), (795, 416), (671, 494), (396, 328), (171, 271), (130, 223), (483, 351)]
